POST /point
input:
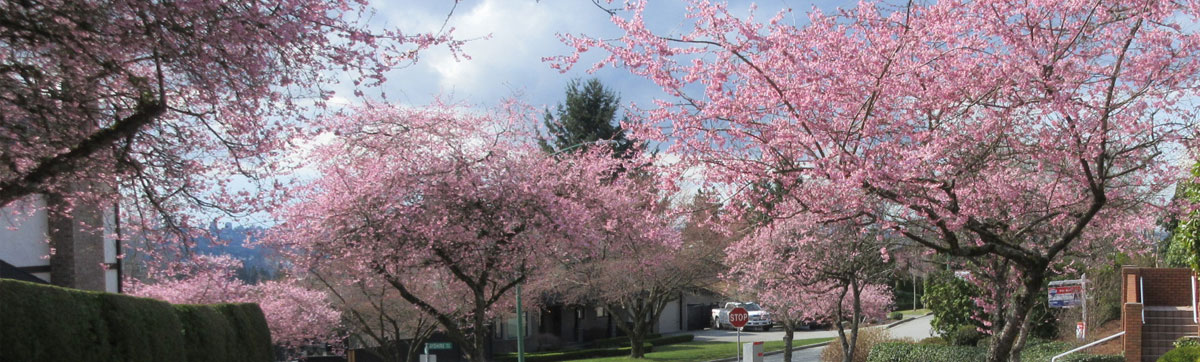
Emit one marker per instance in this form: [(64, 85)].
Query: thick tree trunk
[(1003, 347), (478, 338), (635, 342), (789, 330)]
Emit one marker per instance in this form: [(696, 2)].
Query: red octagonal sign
[(738, 317)]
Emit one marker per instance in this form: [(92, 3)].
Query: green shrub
[(1036, 350), (985, 342), (662, 341), (572, 355), (253, 340), (949, 298), (1186, 341), (622, 341), (904, 352), (1080, 357), (895, 315), (208, 335), (933, 340), (966, 336), (47, 323), (1185, 354), (141, 329)]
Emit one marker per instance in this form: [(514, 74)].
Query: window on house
[(508, 330)]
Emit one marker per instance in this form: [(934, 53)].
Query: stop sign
[(738, 317)]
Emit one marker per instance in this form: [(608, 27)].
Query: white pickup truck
[(759, 318)]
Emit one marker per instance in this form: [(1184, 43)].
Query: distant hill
[(237, 241)]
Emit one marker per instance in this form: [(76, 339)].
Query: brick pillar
[(1131, 320), (1129, 284), (77, 236)]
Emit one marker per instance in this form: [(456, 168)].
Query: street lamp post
[(520, 328)]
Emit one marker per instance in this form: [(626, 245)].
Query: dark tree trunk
[(857, 316), (635, 346), (841, 326), (789, 330), (1005, 348)]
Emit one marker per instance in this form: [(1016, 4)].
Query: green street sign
[(438, 345)]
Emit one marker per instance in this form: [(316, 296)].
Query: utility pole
[(914, 280)]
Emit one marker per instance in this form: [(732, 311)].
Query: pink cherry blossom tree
[(440, 196), (175, 105), (297, 315), (829, 274), (1016, 129), (639, 263), (376, 316)]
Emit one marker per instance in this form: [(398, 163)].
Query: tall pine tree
[(586, 117)]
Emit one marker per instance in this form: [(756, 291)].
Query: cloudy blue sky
[(522, 32)]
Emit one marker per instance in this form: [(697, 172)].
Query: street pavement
[(916, 329)]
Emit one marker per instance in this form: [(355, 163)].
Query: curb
[(822, 344), (905, 320)]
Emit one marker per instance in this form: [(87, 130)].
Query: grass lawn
[(914, 312), (703, 351)]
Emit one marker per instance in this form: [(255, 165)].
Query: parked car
[(759, 318)]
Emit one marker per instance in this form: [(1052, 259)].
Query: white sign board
[(1065, 293)]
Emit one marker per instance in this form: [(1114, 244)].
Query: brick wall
[(1162, 286), (1131, 321)]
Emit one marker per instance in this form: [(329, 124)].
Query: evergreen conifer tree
[(584, 119)]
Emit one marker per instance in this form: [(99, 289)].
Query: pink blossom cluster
[(453, 208), (296, 315), (179, 105), (1024, 130)]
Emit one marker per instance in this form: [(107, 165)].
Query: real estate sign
[(1065, 294)]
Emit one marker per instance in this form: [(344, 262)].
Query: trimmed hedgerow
[(1036, 351), (141, 329), (622, 341), (47, 323), (253, 343), (208, 336), (572, 355), (901, 352), (662, 341)]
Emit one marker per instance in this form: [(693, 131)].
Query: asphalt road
[(916, 329)]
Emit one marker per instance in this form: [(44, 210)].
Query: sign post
[(738, 318), (1069, 294), (434, 346)]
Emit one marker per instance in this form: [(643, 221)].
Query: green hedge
[(208, 335), (1182, 354), (902, 352), (622, 341), (572, 355), (1037, 351), (47, 323), (253, 341), (140, 329), (662, 341)]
